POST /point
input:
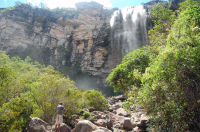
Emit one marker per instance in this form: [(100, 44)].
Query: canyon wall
[(60, 36), (72, 40)]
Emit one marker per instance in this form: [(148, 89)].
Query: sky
[(71, 3)]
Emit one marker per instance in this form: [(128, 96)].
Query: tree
[(169, 85), (170, 91), (15, 113), (122, 76)]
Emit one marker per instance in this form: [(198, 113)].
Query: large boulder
[(112, 100), (87, 126), (84, 126), (116, 105), (71, 121), (101, 122), (126, 124), (116, 119), (121, 112), (37, 125), (63, 128)]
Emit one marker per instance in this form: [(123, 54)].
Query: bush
[(96, 100), (15, 113)]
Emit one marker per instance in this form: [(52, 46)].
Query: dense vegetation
[(165, 75), (30, 89)]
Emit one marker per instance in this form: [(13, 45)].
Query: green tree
[(170, 90), (122, 76), (15, 113)]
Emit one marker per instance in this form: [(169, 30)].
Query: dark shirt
[(59, 109)]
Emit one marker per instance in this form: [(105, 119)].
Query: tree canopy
[(169, 84), (30, 89)]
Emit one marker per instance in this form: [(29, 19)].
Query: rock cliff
[(59, 37), (73, 40)]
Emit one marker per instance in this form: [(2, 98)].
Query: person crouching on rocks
[(59, 117)]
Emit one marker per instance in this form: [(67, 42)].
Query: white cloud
[(66, 3)]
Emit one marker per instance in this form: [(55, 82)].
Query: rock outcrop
[(37, 125)]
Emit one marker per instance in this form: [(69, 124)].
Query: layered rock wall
[(83, 32)]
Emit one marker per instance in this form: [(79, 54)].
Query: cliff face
[(60, 37), (72, 40)]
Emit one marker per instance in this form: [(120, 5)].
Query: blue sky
[(71, 3)]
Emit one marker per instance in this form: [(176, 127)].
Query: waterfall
[(128, 31)]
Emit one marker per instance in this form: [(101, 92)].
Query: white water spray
[(128, 30)]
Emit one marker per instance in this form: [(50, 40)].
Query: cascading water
[(128, 31)]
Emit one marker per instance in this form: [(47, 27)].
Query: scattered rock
[(105, 121)]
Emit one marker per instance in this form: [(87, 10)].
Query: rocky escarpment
[(60, 36)]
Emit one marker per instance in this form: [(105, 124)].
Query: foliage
[(122, 76), (96, 100), (15, 113), (79, 99), (163, 20), (169, 87), (44, 87)]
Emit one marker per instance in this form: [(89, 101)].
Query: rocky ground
[(115, 119)]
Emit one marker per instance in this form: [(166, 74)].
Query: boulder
[(102, 129), (112, 100), (98, 114), (71, 121), (137, 129), (91, 109), (37, 125), (84, 126), (126, 124), (116, 119), (117, 105), (121, 97), (142, 122), (63, 128), (121, 112), (87, 126), (101, 122)]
